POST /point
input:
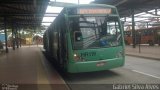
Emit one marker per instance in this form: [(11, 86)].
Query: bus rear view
[(95, 40)]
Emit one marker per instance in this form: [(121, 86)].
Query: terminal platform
[(27, 66), (144, 51)]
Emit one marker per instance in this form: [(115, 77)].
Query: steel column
[(16, 36), (13, 36), (133, 30), (19, 38), (147, 24), (156, 14), (5, 30)]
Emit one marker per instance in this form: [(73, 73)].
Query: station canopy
[(22, 13), (147, 12), (55, 7), (37, 13)]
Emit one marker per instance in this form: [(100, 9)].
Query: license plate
[(100, 64)]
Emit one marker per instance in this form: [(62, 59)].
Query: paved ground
[(151, 52), (150, 67), (135, 71), (27, 67)]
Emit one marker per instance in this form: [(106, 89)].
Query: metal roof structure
[(22, 13), (29, 13), (146, 12), (125, 6)]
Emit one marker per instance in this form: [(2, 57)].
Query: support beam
[(60, 4), (147, 24), (156, 13), (13, 36), (133, 29), (120, 2), (16, 37), (29, 14), (125, 19), (19, 38), (5, 30), (22, 2), (35, 3), (15, 8)]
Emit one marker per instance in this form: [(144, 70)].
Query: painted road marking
[(146, 74)]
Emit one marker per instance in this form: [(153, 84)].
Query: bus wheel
[(151, 43)]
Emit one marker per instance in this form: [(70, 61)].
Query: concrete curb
[(48, 70), (146, 57)]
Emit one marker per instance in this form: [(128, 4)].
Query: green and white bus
[(86, 38)]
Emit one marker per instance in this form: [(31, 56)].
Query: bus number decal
[(85, 54)]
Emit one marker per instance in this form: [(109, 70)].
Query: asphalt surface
[(135, 71), (28, 65), (147, 66)]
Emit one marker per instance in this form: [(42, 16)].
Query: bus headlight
[(77, 58), (75, 55)]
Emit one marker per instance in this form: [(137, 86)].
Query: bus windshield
[(95, 32)]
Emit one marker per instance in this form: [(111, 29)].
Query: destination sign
[(94, 11)]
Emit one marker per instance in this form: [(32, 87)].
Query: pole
[(19, 38), (133, 30), (13, 34), (156, 13), (147, 24), (5, 31), (139, 42)]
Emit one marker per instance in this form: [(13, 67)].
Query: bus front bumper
[(89, 66)]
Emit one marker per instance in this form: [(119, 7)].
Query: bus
[(86, 38), (150, 36)]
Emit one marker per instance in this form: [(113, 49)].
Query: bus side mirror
[(78, 36)]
